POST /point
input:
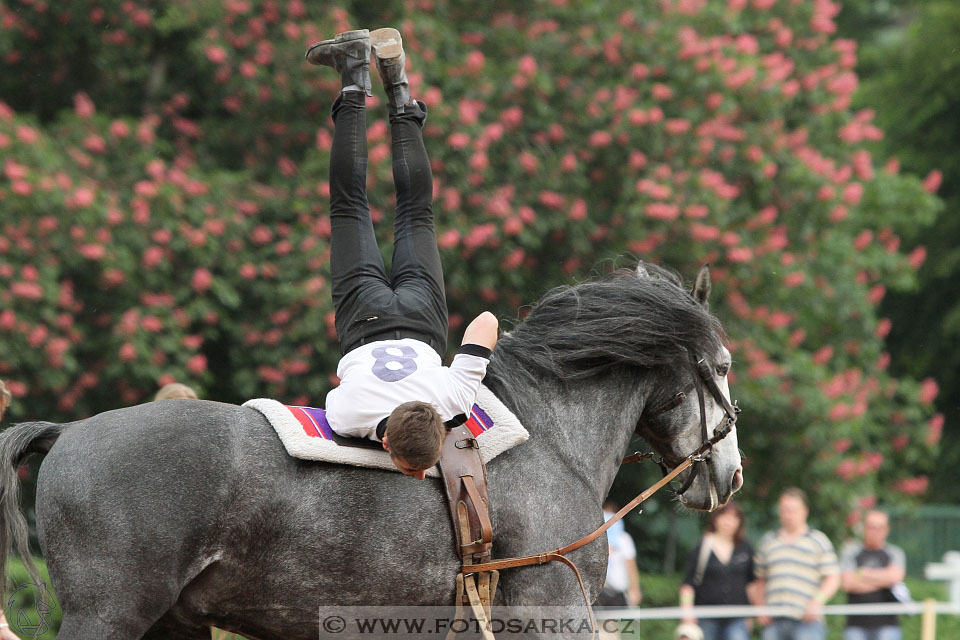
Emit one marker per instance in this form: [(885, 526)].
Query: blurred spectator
[(718, 572), (622, 585), (174, 391), (870, 571), (796, 568)]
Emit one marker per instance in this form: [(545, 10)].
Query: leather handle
[(480, 509)]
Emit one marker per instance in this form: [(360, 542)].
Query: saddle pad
[(306, 434)]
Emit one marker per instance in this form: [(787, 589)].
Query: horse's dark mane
[(621, 319)]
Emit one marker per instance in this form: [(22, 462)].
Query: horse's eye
[(722, 369)]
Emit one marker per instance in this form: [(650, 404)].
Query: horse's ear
[(642, 272), (701, 287)]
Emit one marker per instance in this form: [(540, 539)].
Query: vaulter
[(392, 329)]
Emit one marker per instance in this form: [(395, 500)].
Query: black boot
[(388, 48), (349, 54)]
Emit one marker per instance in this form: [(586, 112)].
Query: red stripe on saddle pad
[(310, 426), (478, 422)]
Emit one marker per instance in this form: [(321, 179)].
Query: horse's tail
[(16, 444)]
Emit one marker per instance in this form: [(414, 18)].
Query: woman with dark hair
[(718, 572)]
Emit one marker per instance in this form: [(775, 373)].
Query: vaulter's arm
[(470, 364)]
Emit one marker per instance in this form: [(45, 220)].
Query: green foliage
[(164, 198), (910, 80)]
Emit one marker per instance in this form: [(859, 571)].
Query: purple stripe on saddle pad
[(313, 421), (478, 422)]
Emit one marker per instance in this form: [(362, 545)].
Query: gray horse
[(160, 520)]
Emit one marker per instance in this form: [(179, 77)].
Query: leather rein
[(695, 459)]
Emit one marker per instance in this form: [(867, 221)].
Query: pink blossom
[(676, 126), (151, 323), (83, 105), (703, 233), (8, 320), (794, 279), (474, 63), (528, 161), (912, 486), (95, 144), (569, 162), (458, 140), (152, 256), (822, 355), (28, 290), (662, 211), (863, 240), (747, 43), (514, 259), (841, 445), (448, 239), (479, 235), (26, 134), (127, 352), (600, 138), (202, 279), (934, 429), (740, 254), (511, 117), (248, 271), (92, 251), (917, 257), (579, 210), (17, 389), (883, 328), (852, 193), (928, 390), (527, 65), (661, 91), (261, 235), (216, 54), (932, 182), (197, 364)]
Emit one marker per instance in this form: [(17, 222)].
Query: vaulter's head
[(414, 437)]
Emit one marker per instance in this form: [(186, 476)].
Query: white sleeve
[(466, 373)]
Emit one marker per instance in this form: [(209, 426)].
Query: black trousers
[(369, 305)]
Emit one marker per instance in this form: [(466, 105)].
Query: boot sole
[(387, 44), (346, 36)]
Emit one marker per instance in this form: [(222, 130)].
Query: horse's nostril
[(737, 479)]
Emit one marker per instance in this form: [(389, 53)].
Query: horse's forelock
[(623, 319)]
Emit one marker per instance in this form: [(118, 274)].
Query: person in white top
[(392, 329)]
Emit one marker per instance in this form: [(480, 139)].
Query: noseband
[(698, 458)]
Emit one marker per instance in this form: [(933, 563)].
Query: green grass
[(661, 591)]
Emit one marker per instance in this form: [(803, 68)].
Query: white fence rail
[(677, 613)]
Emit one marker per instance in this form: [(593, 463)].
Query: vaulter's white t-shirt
[(378, 377)]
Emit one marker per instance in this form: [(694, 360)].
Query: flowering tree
[(165, 201)]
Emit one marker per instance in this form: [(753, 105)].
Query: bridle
[(701, 455), (698, 458)]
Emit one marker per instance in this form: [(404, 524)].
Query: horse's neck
[(583, 427)]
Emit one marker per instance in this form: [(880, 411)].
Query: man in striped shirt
[(797, 569)]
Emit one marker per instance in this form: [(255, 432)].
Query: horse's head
[(690, 405)]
